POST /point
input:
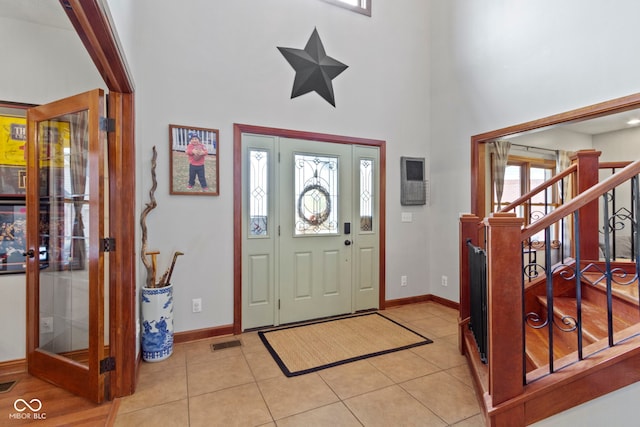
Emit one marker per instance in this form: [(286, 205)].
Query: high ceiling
[(608, 123), (51, 13)]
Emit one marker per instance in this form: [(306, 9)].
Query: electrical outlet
[(445, 281), (403, 280), (196, 305), (46, 325)]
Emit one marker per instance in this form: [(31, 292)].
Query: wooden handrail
[(582, 199), (614, 165), (556, 178)]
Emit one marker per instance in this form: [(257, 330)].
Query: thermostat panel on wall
[(413, 184)]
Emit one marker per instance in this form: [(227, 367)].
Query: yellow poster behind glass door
[(13, 138)]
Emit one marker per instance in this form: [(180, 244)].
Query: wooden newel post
[(504, 300), (587, 177), (468, 231)]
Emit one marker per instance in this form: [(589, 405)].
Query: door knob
[(30, 253), (347, 242)]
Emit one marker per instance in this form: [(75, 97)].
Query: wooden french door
[(66, 256)]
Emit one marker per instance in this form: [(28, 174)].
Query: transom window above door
[(360, 6)]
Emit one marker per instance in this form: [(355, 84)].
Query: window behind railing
[(522, 175)]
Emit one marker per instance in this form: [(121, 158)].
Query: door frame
[(94, 26), (238, 130), (480, 194)]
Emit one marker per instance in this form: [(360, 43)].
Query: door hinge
[(278, 304), (108, 244), (107, 124), (278, 230), (107, 365), (278, 157)]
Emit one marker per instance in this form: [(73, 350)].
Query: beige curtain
[(78, 164), (563, 162), (501, 157)]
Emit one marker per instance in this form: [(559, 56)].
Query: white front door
[(315, 236), (310, 235)]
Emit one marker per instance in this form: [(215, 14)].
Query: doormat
[(302, 349), (5, 387)]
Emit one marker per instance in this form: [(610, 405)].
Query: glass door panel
[(64, 284), (316, 194), (65, 224)]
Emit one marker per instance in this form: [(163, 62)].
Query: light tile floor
[(428, 385)]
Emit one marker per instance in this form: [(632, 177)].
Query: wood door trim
[(238, 130), (96, 31), (122, 266), (478, 142)]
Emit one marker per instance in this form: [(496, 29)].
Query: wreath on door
[(320, 197)]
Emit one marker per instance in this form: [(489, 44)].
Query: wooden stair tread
[(537, 346), (627, 292), (594, 318)]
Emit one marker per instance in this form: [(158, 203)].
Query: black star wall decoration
[(314, 69)]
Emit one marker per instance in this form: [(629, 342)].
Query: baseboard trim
[(200, 334), (445, 302), (20, 365), (421, 298), (12, 367)]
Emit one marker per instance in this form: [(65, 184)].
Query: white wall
[(40, 64), (214, 63), (13, 316), (501, 63), (620, 145), (497, 63)]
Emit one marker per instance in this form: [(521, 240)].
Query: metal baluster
[(634, 224), (547, 238), (524, 324), (578, 288), (607, 263), (635, 205), (562, 229), (549, 279), (613, 209)]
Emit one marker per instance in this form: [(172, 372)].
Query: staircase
[(557, 335), (594, 324)]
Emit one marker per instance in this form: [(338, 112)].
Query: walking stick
[(166, 277)]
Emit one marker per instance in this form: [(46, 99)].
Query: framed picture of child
[(193, 162)]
